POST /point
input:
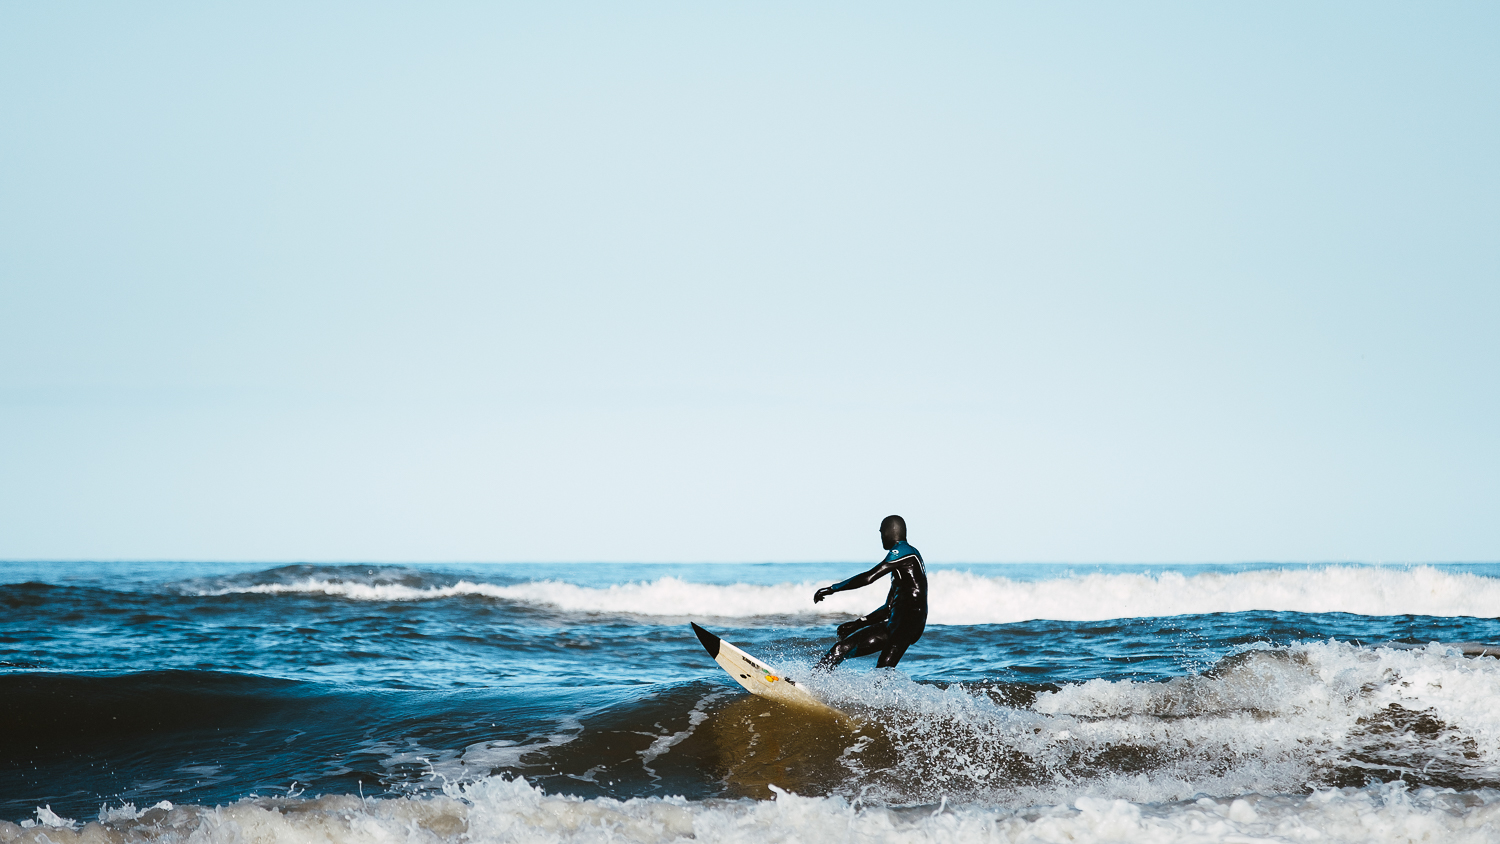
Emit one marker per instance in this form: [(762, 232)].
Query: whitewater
[(965, 597), (499, 810)]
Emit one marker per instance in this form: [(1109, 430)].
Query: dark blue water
[(206, 683)]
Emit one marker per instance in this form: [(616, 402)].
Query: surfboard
[(759, 678)]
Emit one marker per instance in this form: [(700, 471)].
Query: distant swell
[(968, 598)]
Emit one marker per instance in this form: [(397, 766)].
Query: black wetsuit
[(891, 629)]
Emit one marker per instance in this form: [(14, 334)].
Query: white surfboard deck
[(759, 678)]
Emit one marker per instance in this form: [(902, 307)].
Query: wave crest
[(966, 597)]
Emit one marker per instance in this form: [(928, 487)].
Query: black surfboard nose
[(709, 640)]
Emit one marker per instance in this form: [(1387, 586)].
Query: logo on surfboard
[(764, 671)]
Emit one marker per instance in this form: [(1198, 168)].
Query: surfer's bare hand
[(821, 594)]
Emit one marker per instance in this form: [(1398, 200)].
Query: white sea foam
[(1268, 721), (966, 598), (500, 810), (668, 596), (969, 598)]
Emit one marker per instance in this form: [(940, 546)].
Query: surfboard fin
[(709, 640)]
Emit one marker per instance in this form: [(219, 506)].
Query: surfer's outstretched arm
[(864, 579)]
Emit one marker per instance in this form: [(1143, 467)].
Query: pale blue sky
[(1058, 282)]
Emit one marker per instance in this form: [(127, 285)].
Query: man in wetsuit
[(891, 629)]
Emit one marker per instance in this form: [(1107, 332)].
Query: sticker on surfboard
[(759, 678)]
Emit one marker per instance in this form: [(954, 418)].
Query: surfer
[(891, 629)]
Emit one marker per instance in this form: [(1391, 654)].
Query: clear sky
[(732, 281)]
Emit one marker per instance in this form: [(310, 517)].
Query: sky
[(1072, 282)]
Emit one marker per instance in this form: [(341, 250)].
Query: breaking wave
[(1321, 741), (505, 810), (965, 597)]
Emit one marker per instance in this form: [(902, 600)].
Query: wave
[(964, 597), (511, 810), (1267, 720), (1270, 721), (67, 710)]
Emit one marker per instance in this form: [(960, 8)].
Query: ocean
[(210, 702)]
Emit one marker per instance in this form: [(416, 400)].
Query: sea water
[(190, 702)]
